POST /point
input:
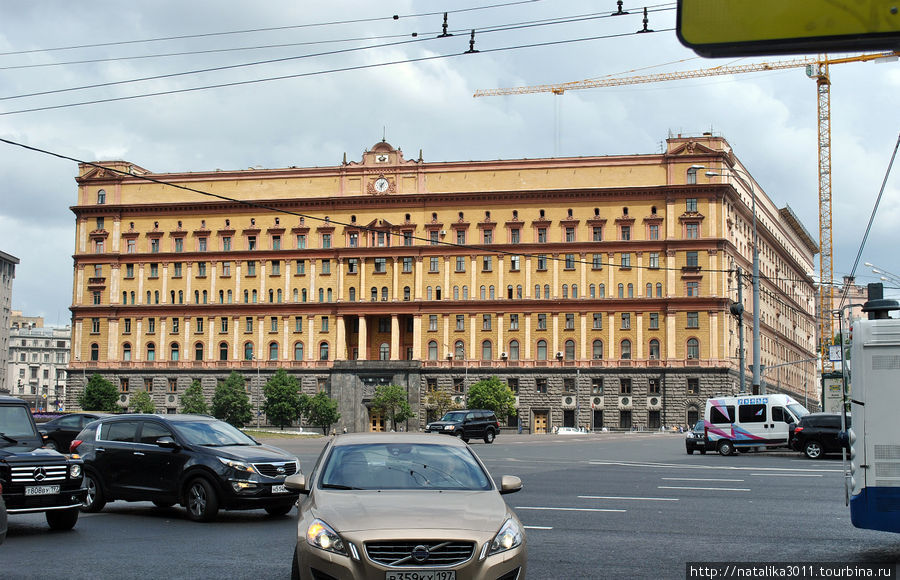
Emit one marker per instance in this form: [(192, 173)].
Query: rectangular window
[(488, 236), (131, 246), (693, 320), (541, 262), (95, 325), (301, 267), (624, 386), (514, 322), (380, 239), (223, 324), (201, 244), (690, 204), (226, 269), (324, 324), (298, 324), (179, 244), (654, 321), (596, 386), (692, 289), (486, 263), (326, 240), (654, 387), (654, 232), (540, 385), (176, 272), (353, 240), (569, 385), (432, 322), (154, 270), (626, 320), (597, 262), (431, 385), (201, 269), (273, 324), (570, 234), (597, 234), (542, 235), (626, 233), (226, 243), (514, 263), (542, 322), (654, 260), (461, 237), (352, 265), (276, 267), (127, 326), (301, 241), (513, 385), (380, 265), (570, 321), (276, 242), (692, 260), (570, 261), (407, 238), (175, 326), (717, 415), (96, 297), (151, 325), (460, 263), (198, 325), (433, 237), (692, 231), (460, 322), (597, 321), (326, 266), (154, 246), (514, 236), (251, 267), (251, 243), (693, 388), (626, 260), (433, 265), (248, 324), (407, 265), (486, 322)]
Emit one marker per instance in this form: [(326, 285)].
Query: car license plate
[(280, 488), (422, 575), (41, 489)]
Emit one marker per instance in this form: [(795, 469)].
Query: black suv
[(58, 433), (819, 433), (193, 460), (34, 479), (467, 424)]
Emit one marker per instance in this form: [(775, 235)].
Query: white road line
[(565, 509), (789, 474), (705, 488), (723, 467), (624, 497), (538, 527), (697, 479)]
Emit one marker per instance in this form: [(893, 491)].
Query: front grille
[(271, 469), (400, 553), (38, 474)]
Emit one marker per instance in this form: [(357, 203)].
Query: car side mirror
[(167, 443), (296, 482), (510, 484)]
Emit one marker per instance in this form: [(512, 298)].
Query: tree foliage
[(392, 401), (230, 402), (322, 411), (193, 401), (99, 395), (441, 402), (142, 402), (492, 394), (284, 402)]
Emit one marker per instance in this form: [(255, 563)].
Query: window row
[(568, 353)]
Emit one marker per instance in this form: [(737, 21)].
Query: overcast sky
[(312, 120)]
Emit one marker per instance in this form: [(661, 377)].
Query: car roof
[(16, 400), (176, 418), (420, 438)]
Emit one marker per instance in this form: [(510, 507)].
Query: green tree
[(142, 402), (492, 394), (322, 411), (99, 395), (192, 400), (230, 402), (391, 401), (283, 401), (441, 402)]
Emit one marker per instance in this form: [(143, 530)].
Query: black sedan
[(695, 440), (59, 433)]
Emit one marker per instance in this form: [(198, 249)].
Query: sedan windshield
[(403, 466), (211, 434)]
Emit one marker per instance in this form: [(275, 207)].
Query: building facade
[(38, 361), (598, 288), (7, 275)]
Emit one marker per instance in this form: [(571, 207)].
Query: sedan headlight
[(320, 535), (237, 465), (510, 536)]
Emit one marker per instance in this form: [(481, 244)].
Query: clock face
[(381, 185)]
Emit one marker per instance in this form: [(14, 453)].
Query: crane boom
[(816, 68)]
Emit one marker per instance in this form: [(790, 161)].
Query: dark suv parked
[(58, 433), (33, 479), (467, 424), (193, 460), (819, 433)]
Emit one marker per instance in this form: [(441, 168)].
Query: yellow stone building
[(598, 288)]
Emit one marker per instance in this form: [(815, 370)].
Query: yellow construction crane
[(817, 69)]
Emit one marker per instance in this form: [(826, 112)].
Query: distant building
[(597, 288), (18, 320), (7, 275), (38, 362)]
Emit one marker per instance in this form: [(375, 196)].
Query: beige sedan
[(401, 506)]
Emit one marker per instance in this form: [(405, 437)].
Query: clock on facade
[(381, 185)]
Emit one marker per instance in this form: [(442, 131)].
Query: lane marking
[(566, 509), (789, 474), (725, 467), (705, 488), (538, 527), (625, 497), (698, 479)]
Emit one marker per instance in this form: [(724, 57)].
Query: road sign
[(715, 28)]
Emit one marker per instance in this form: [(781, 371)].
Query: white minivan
[(750, 421)]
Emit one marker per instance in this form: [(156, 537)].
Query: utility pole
[(737, 309)]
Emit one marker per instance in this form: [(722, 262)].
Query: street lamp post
[(258, 390), (748, 183)]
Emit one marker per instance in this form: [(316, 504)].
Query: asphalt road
[(595, 506)]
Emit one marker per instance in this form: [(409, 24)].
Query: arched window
[(630, 290), (221, 297), (174, 350), (693, 348), (273, 351), (101, 196), (432, 350), (542, 349), (537, 291), (659, 289), (483, 292), (246, 296), (197, 297), (621, 290), (384, 293), (172, 296), (547, 291), (465, 292), (148, 297), (574, 290), (248, 351), (407, 293), (565, 290), (514, 350), (278, 295), (229, 296), (509, 292), (456, 292), (126, 351), (198, 351), (321, 295), (303, 295), (297, 294), (223, 351), (597, 350), (323, 351), (459, 350), (625, 350), (132, 297), (298, 351), (352, 294), (570, 349), (271, 296), (374, 294), (428, 293), (487, 350), (156, 296), (519, 291), (384, 351), (151, 351), (654, 349), (253, 297), (205, 297), (602, 290), (592, 291), (649, 290)]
